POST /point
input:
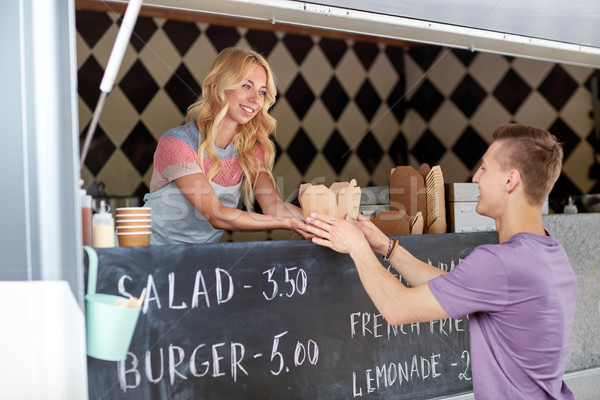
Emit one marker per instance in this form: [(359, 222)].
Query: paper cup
[(133, 210), (134, 229), (132, 222), (133, 239), (132, 216)]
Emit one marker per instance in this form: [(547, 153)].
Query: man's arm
[(413, 270), (397, 303)]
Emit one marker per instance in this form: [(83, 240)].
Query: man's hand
[(341, 235), (377, 240)]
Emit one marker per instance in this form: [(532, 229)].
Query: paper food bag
[(395, 223), (339, 199), (392, 222), (407, 189)]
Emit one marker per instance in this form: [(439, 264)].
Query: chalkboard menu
[(275, 320)]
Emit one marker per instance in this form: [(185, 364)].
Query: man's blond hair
[(535, 153)]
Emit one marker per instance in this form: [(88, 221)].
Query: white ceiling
[(573, 21), (551, 30)]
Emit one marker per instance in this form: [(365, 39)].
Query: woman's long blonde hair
[(230, 70)]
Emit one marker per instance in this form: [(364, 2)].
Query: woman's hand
[(300, 227), (341, 235)]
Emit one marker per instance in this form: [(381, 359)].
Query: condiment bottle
[(104, 227), (570, 208), (86, 216)]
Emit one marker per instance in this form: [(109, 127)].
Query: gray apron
[(175, 220)]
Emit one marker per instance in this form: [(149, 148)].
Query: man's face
[(492, 180)]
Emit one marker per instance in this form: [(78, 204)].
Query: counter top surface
[(579, 234)]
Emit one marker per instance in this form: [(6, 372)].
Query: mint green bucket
[(109, 328)]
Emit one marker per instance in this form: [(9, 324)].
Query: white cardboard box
[(461, 202)]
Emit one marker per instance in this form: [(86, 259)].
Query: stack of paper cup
[(133, 226)]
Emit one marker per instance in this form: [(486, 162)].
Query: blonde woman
[(223, 152)]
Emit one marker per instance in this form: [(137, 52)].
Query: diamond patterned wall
[(455, 98), (345, 109)]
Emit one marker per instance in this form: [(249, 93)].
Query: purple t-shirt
[(520, 297)]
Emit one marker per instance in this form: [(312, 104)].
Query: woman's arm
[(197, 190), (271, 204)]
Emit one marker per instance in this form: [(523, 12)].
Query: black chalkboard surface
[(275, 320)]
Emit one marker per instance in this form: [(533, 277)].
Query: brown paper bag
[(408, 191), (417, 225), (392, 222), (317, 199), (348, 198), (340, 199)]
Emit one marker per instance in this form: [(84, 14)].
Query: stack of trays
[(436, 209)]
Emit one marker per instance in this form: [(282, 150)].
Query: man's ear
[(513, 180)]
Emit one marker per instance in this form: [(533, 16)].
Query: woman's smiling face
[(247, 100)]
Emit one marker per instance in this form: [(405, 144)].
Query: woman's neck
[(225, 134)]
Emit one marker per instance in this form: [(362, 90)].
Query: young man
[(519, 294)]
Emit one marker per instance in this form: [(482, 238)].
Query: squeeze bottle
[(86, 216), (104, 227), (570, 207)]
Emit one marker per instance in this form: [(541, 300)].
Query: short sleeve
[(478, 284), (174, 158), (259, 153)]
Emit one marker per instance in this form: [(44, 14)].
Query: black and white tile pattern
[(346, 109)]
